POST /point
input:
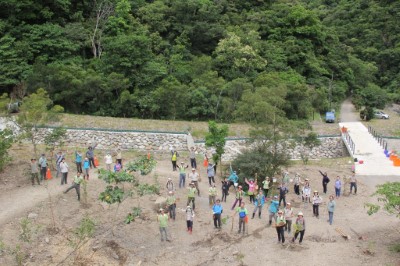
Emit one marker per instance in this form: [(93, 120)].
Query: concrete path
[(348, 112), (368, 150)]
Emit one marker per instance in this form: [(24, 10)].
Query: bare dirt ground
[(138, 243)]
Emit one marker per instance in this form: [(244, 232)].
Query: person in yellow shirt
[(212, 194), (76, 184), (191, 195), (280, 225), (162, 219)]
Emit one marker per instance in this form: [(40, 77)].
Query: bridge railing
[(351, 146), (378, 137)]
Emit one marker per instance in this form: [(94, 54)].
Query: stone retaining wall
[(331, 147)]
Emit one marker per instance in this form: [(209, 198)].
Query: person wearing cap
[(306, 191), (64, 171), (280, 223), (297, 182), (192, 157), (194, 178), (331, 208), (225, 188), (265, 184), (242, 211), (252, 187), (288, 212), (217, 211), (162, 219), (282, 194), (239, 197), (182, 174), (211, 173), (325, 181), (170, 185), (34, 172), (212, 194), (108, 160), (338, 187), (191, 195), (171, 203), (258, 203), (300, 227), (316, 201), (76, 184), (174, 158), (189, 219), (43, 166), (273, 208)]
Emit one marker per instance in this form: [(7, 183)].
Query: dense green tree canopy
[(201, 59)]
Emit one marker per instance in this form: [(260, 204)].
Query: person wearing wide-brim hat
[(162, 219), (171, 203), (170, 185), (280, 225), (182, 174), (191, 195), (316, 201), (300, 227)]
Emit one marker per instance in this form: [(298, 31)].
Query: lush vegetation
[(200, 59)]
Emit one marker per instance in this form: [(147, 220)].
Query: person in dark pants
[(34, 172), (43, 167), (316, 201), (297, 182), (280, 226), (64, 171), (353, 183), (171, 203), (300, 228), (77, 185), (225, 188), (78, 161), (242, 218), (282, 194), (174, 158), (90, 156), (217, 211), (210, 173), (325, 181), (192, 156)]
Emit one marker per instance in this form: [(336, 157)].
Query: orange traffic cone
[(148, 156), (96, 161), (48, 174)]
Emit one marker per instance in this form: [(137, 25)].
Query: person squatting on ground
[(338, 187), (117, 166), (77, 185), (316, 201), (252, 188), (325, 181), (212, 194), (331, 208), (191, 195), (258, 204), (194, 178), (64, 171), (297, 182), (225, 189), (171, 203), (182, 174), (43, 166), (280, 225), (192, 157), (282, 194), (306, 191), (273, 208), (86, 167), (189, 219), (217, 211), (34, 172), (174, 158), (78, 161), (288, 213), (162, 219), (265, 184), (353, 183), (242, 218), (239, 197), (210, 173), (118, 156), (170, 185), (299, 227)]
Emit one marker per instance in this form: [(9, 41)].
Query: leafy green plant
[(6, 141), (19, 255), (147, 189), (116, 177), (143, 165), (136, 212), (112, 194), (389, 195), (26, 230), (55, 139)]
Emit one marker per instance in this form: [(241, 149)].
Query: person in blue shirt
[(78, 161), (273, 208), (233, 178), (217, 211), (258, 203)]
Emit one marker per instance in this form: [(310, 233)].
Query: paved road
[(348, 113)]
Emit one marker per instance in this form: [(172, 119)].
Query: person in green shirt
[(77, 185), (191, 195), (171, 203), (242, 211), (212, 193), (265, 184), (34, 172), (239, 197), (162, 219), (280, 225)]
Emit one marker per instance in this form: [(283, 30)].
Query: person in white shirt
[(194, 177), (108, 160), (64, 171)]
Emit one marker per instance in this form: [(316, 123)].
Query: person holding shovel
[(299, 228), (239, 197), (243, 218)]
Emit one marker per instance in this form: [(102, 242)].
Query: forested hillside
[(200, 59)]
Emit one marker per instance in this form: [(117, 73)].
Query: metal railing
[(379, 138), (350, 143)]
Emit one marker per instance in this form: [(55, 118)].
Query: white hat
[(280, 211), (182, 162), (188, 207), (169, 178), (193, 169), (300, 213), (171, 192)]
